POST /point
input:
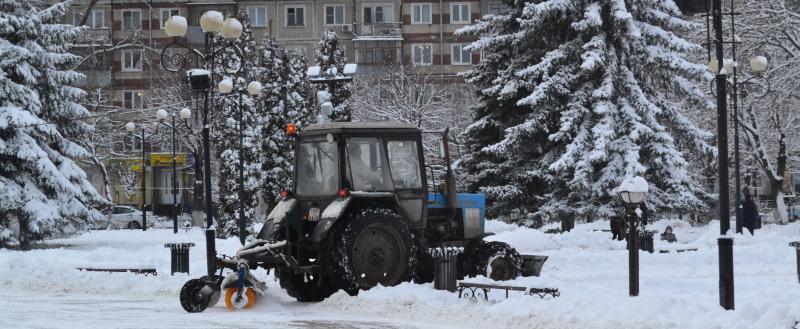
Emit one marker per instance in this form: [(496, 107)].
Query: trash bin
[(532, 264), (179, 255), (445, 260), (646, 241), (796, 246)]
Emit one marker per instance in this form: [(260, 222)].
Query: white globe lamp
[(211, 21)]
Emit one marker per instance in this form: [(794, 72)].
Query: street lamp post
[(225, 87), (131, 128), (726, 287), (633, 191), (161, 115), (316, 76), (173, 59)]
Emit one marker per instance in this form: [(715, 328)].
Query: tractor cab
[(360, 165)]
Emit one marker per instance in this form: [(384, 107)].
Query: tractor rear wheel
[(371, 248), (305, 288), (498, 261)]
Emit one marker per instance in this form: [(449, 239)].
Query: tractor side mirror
[(441, 148)]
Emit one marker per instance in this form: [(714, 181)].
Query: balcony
[(379, 31), (95, 36)]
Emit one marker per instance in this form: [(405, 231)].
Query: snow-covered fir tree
[(43, 192), (331, 59), (236, 110), (578, 95), (284, 100), (274, 160)]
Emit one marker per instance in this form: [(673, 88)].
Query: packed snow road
[(42, 289), (34, 310)]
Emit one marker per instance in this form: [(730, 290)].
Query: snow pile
[(677, 290)]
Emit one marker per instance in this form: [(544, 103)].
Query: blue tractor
[(361, 213)]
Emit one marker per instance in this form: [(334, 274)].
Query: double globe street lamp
[(755, 85), (226, 87), (177, 57), (130, 127)]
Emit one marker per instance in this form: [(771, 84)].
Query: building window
[(459, 13), (258, 16), (461, 56), (334, 15), (295, 16), (95, 20), (421, 13), (422, 54), (378, 14), (166, 14), (131, 20), (132, 100), (132, 60)]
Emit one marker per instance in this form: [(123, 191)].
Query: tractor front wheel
[(371, 248)]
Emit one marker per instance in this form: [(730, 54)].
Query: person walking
[(749, 212)]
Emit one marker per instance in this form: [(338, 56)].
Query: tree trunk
[(781, 214), (106, 180), (24, 237)]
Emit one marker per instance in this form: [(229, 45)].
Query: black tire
[(498, 261), (190, 300), (370, 248), (305, 289), (134, 226)]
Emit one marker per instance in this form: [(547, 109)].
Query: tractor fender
[(338, 207), (329, 216), (276, 216)]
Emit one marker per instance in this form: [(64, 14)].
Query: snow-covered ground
[(42, 289)]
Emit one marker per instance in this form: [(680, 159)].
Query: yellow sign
[(135, 164), (165, 159)]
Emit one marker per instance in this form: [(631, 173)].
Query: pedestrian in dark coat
[(749, 213)]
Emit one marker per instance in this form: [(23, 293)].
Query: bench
[(664, 251), (144, 271), (475, 290)]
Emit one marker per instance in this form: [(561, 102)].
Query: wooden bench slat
[(490, 286)]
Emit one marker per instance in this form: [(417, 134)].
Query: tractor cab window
[(317, 168), (404, 164), (366, 170)]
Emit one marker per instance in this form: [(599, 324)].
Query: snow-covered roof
[(359, 125)]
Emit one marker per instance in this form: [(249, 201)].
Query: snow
[(634, 184), (197, 72), (313, 71), (350, 69), (678, 290)]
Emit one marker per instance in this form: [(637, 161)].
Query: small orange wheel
[(249, 298)]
